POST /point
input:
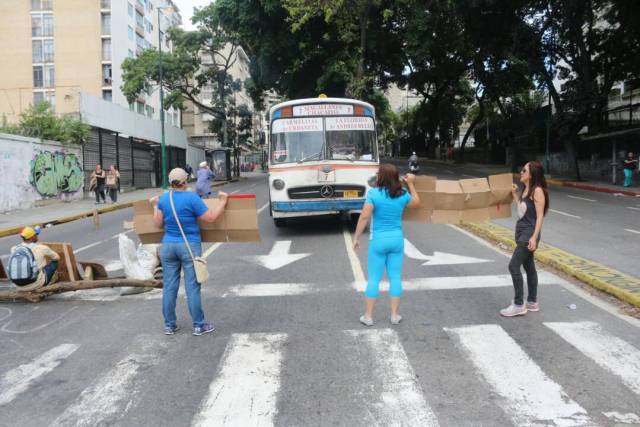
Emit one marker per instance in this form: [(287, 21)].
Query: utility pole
[(163, 150)]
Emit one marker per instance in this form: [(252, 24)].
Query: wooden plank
[(67, 266), (97, 270)]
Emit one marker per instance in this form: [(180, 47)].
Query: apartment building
[(70, 53)]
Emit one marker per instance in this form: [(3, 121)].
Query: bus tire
[(280, 222)]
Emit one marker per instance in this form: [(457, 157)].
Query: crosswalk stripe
[(401, 401), (270, 289), (608, 351), (245, 389), (19, 379), (530, 397), (115, 392)]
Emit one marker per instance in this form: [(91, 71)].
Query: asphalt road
[(601, 227), (288, 349)]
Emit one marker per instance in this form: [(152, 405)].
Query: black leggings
[(522, 256), (100, 193)]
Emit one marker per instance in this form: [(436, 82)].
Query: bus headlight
[(278, 184), (372, 181)]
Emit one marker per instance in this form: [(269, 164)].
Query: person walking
[(385, 204), (532, 204), (629, 165), (174, 254), (203, 180), (113, 183), (100, 176), (32, 264)]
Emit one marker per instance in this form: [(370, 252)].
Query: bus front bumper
[(329, 205)]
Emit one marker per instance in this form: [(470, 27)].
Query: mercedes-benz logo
[(326, 191)]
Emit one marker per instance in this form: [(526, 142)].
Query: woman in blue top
[(386, 203), (174, 254)]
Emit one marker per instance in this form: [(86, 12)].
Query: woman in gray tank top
[(532, 204)]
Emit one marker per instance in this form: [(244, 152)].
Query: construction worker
[(31, 263)]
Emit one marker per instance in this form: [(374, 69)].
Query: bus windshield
[(302, 139)]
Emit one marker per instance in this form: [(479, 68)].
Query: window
[(36, 50), (49, 76), (41, 4), (36, 5), (139, 20), (47, 4), (106, 24), (38, 97), (38, 77), (48, 50), (47, 25), (131, 106), (36, 25), (148, 26), (130, 9), (106, 74), (105, 4), (140, 107), (130, 53), (107, 95), (140, 41), (130, 32), (149, 110), (106, 49)]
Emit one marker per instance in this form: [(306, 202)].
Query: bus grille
[(313, 191)]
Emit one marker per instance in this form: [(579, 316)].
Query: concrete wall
[(106, 115), (34, 170)]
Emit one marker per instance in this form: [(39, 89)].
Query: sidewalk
[(12, 222), (554, 180)]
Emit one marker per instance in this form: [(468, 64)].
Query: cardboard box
[(501, 198), (470, 200), (426, 188), (238, 222)]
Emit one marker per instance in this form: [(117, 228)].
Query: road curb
[(62, 220), (621, 285), (554, 182)]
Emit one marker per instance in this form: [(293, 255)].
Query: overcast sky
[(186, 10)]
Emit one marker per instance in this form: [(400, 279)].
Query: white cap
[(178, 175), (203, 164)]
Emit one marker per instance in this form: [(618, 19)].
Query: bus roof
[(320, 101)]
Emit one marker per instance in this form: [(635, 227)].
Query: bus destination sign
[(323, 110)]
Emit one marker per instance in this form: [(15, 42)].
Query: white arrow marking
[(439, 258), (278, 257)]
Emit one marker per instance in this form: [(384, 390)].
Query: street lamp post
[(163, 150)]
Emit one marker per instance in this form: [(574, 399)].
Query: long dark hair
[(537, 179), (389, 178)]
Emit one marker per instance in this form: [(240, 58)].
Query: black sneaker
[(204, 329)]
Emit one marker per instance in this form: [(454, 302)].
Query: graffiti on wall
[(52, 174)]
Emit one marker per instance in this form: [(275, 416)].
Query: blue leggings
[(385, 252)]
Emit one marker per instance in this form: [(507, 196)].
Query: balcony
[(140, 30), (140, 8)]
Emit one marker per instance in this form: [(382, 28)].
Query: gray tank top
[(527, 217)]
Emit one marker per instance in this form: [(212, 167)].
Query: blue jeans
[(174, 257), (49, 269), (628, 176), (385, 252)]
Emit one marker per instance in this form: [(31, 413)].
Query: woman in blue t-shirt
[(174, 254), (386, 203)]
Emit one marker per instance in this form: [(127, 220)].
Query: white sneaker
[(395, 320), (366, 321), (514, 310)]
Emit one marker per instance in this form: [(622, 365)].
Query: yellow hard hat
[(29, 232)]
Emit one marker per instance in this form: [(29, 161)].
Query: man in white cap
[(32, 264), (203, 180)]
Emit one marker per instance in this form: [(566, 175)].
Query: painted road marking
[(581, 198), (270, 289), (234, 191), (529, 396), (610, 352), (211, 249), (631, 207), (245, 390), (439, 258), (356, 268), (458, 282), (84, 248), (19, 379), (278, 257), (565, 214), (400, 400), (109, 399), (266, 205), (632, 231), (629, 418)]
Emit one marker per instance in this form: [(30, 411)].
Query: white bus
[(323, 157)]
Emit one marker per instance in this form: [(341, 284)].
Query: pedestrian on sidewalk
[(533, 204), (31, 264), (203, 180), (113, 183), (98, 177), (179, 210), (629, 165), (385, 203)]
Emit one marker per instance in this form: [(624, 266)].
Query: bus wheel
[(280, 222)]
